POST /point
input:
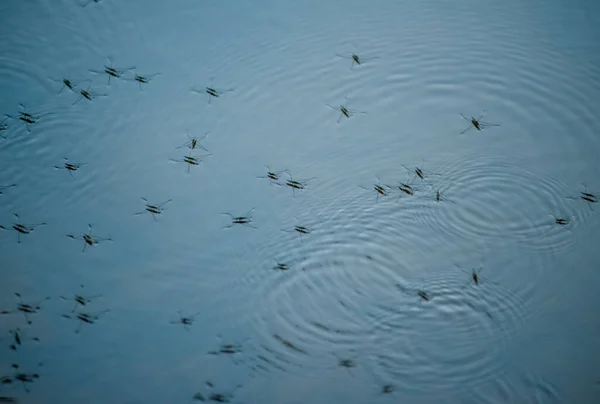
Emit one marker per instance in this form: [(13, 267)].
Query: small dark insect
[(25, 378), (419, 171), (244, 219), (28, 118), (18, 338), (345, 111), (406, 188), (477, 123), (26, 308), (80, 300), (216, 397), (381, 190), (387, 389), (88, 95), (142, 79), (21, 228), (586, 196), (153, 209), (273, 176), (280, 266), (70, 167), (4, 187), (561, 221), (300, 229), (112, 71), (475, 274), (357, 59), (212, 92), (68, 83), (86, 318), (194, 143), (87, 238), (297, 184), (192, 160), (186, 321), (439, 194), (423, 295)]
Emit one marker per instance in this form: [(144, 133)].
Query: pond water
[(395, 256)]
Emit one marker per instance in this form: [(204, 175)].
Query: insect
[(586, 196), (85, 318), (419, 171), (192, 160), (21, 228), (153, 209), (19, 339), (477, 123), (212, 92), (280, 266), (88, 239), (423, 295), (216, 397), (273, 176), (300, 229), (143, 79), (243, 220), (113, 71), (70, 167), (345, 111), (186, 321), (25, 377), (4, 187), (439, 194), (28, 118), (297, 184), (88, 95), (80, 300), (68, 83), (475, 274), (387, 389), (381, 190), (357, 60), (26, 308), (194, 143), (406, 189), (561, 221)]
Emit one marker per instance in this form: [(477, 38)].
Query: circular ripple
[(333, 274), (497, 199), (517, 387), (454, 339)]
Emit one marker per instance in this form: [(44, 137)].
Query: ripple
[(500, 199), (454, 339), (523, 388)]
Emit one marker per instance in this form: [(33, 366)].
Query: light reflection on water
[(350, 290)]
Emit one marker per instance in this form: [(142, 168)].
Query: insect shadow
[(345, 111), (21, 228), (88, 239), (477, 123)]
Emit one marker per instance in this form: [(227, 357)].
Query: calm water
[(342, 320)]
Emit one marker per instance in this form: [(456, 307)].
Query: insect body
[(297, 184), (24, 377), (273, 176), (113, 72), (194, 143), (18, 338), (423, 295), (88, 239), (70, 167), (345, 111), (86, 318), (192, 160), (243, 220), (21, 228), (476, 123), (154, 209), (186, 321), (26, 308), (213, 92), (143, 79), (28, 118), (80, 300), (358, 60), (88, 95), (380, 190), (68, 83)]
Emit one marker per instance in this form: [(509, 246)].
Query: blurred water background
[(340, 321)]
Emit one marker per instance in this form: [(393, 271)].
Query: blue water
[(527, 332)]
